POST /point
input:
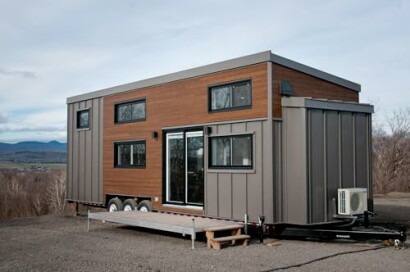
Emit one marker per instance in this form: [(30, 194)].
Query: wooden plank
[(222, 228), (230, 238)]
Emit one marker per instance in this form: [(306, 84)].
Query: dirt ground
[(62, 243)]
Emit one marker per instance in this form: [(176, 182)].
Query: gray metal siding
[(337, 155), (346, 123), (234, 193), (277, 171), (84, 171), (316, 166), (362, 159), (295, 188), (333, 178)]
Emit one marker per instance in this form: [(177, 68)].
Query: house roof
[(218, 67)]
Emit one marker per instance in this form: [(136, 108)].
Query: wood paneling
[(307, 86), (177, 103)]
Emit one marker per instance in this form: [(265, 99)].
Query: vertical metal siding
[(333, 160), (84, 171), (294, 166), (337, 155), (277, 171), (361, 150), (347, 149), (231, 194), (316, 166), (225, 195), (70, 152), (239, 196)]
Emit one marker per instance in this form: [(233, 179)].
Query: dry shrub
[(391, 154), (31, 193)]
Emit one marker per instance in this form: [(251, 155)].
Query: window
[(130, 112), (230, 96), (129, 154), (83, 119), (231, 151)]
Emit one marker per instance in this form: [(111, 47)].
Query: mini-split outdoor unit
[(352, 201)]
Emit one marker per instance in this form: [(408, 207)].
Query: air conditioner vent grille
[(352, 201)]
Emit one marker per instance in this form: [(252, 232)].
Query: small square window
[(129, 154), (83, 119)]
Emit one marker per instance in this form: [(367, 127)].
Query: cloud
[(3, 118), (23, 74), (18, 128)]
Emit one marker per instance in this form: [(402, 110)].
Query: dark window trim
[(210, 87), (231, 167), (137, 101), (130, 143), (78, 113)]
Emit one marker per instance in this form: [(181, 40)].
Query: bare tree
[(56, 192), (392, 154)]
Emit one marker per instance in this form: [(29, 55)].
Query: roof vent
[(286, 88)]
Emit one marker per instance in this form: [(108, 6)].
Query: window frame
[(232, 167), (232, 108), (137, 101), (117, 144), (78, 114)]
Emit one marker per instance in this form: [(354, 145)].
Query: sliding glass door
[(185, 168)]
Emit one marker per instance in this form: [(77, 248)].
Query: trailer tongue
[(358, 229)]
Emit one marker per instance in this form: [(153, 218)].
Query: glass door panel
[(175, 167), (195, 167)]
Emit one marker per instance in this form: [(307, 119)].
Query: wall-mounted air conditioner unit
[(352, 201)]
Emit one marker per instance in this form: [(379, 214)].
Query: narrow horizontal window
[(230, 96), (130, 111), (130, 154), (83, 119), (231, 151)]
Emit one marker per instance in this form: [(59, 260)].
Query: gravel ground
[(61, 243)]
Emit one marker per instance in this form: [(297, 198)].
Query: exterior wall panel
[(305, 85), (239, 196), (317, 184), (347, 150), (234, 193), (337, 156), (295, 166), (175, 104), (333, 178), (85, 156)]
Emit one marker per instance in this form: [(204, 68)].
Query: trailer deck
[(176, 223)]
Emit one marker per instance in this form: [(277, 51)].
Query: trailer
[(259, 135)]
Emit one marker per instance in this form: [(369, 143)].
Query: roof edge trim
[(185, 74)]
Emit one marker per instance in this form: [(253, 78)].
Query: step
[(217, 242), (222, 228)]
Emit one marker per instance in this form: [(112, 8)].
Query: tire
[(114, 205), (129, 205), (145, 206)]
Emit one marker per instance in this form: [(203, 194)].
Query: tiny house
[(256, 135)]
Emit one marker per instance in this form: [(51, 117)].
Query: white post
[(88, 221), (246, 224), (193, 234)]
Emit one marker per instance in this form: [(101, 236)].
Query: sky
[(51, 50)]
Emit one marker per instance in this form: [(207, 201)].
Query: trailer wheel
[(129, 205), (145, 206), (115, 204)]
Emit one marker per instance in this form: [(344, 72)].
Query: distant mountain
[(33, 146)]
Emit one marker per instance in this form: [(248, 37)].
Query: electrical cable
[(322, 258)]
